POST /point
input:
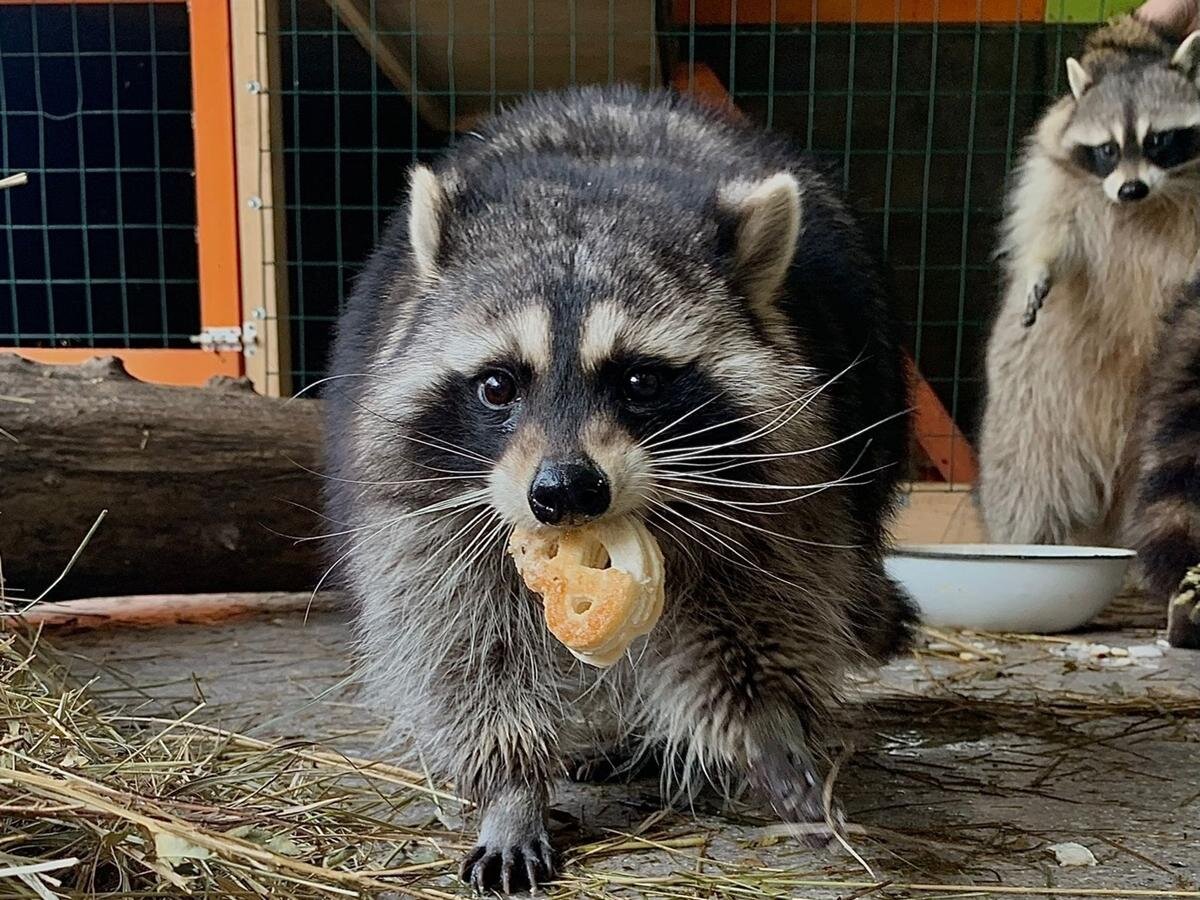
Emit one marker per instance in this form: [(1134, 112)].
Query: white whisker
[(808, 490), (320, 381), (741, 561), (694, 499), (729, 543), (478, 539), (463, 452), (781, 420), (753, 457), (453, 504), (645, 443), (455, 448)]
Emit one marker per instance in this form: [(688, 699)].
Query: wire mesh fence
[(916, 107), (918, 119), (98, 249)]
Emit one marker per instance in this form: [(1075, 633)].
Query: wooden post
[(262, 231)]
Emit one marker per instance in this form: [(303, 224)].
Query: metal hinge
[(241, 340)]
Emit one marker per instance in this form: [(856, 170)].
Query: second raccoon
[(1103, 227)]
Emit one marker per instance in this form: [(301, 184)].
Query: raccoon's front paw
[(513, 852), (509, 868), (1183, 614), (1035, 298)]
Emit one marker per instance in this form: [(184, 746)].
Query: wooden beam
[(936, 432), (182, 367), (702, 83), (86, 2), (261, 199), (720, 13), (390, 52)]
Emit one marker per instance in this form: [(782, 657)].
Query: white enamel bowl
[(1009, 587)]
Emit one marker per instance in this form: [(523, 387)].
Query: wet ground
[(967, 760)]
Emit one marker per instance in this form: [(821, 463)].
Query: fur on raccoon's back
[(1165, 523), (621, 214), (1125, 41)]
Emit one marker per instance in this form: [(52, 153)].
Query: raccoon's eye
[(1108, 151), (497, 389), (643, 385), (1158, 141), (1168, 149)]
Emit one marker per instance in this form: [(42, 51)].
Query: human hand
[(1180, 17)]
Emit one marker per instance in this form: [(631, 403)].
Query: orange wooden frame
[(801, 12), (937, 434), (216, 208)]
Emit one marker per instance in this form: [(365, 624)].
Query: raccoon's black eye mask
[(642, 384), (1100, 160), (1167, 149)]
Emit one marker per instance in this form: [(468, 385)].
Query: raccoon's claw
[(1183, 614), (510, 869), (1035, 299)]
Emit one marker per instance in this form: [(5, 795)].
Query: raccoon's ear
[(765, 218), (426, 212), (1077, 77), (1187, 57)]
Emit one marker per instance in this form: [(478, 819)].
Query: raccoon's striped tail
[(1165, 522)]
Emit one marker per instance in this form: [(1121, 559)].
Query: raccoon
[(1165, 522), (608, 303), (1103, 226)]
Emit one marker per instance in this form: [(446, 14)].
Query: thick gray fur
[(644, 203)]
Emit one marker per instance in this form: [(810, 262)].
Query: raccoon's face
[(1137, 129), (567, 364)]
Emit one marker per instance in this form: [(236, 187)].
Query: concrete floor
[(963, 771)]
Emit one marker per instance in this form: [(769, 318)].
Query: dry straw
[(103, 801)]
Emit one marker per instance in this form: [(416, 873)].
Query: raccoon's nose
[(568, 492), (1133, 190)]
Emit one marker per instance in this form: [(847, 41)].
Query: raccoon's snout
[(569, 492), (1132, 191)]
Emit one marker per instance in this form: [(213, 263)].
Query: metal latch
[(217, 340)]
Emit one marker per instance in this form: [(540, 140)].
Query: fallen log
[(200, 484)]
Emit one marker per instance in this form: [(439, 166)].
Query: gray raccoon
[(1103, 227), (609, 303), (1165, 523)]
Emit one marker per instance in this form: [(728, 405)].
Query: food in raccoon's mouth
[(601, 585)]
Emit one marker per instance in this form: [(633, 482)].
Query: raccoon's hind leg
[(1183, 613), (1041, 479), (1164, 525), (624, 761)]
